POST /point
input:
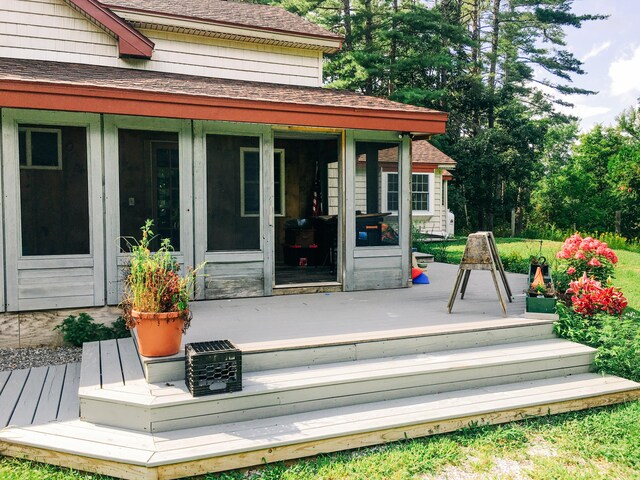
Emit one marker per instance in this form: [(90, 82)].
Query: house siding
[(51, 30), (177, 53)]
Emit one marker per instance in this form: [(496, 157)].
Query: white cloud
[(587, 111), (596, 50), (625, 74)]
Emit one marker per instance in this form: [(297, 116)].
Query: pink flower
[(571, 270), (594, 262), (580, 255)]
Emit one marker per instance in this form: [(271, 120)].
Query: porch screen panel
[(54, 190), (377, 194), (149, 185), (233, 192)]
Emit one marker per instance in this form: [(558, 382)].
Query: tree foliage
[(494, 65), (594, 183)]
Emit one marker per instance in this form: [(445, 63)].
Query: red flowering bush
[(589, 297), (587, 255)]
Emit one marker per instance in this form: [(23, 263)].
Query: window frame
[(29, 150), (430, 185)]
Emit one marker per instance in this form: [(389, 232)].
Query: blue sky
[(610, 50)]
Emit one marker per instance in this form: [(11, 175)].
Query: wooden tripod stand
[(481, 253)]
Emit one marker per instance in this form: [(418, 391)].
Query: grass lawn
[(601, 443)]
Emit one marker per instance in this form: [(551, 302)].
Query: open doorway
[(306, 200)]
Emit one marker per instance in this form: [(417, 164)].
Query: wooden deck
[(194, 451), (322, 373), (39, 395)]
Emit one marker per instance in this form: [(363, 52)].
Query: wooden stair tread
[(149, 449), (257, 383)]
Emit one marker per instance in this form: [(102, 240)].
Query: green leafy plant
[(154, 284), (616, 338), (81, 329), (439, 250), (515, 262)]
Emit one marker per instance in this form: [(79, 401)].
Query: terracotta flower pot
[(159, 334)]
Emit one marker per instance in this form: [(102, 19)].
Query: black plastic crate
[(213, 367)]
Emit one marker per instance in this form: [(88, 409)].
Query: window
[(376, 223), (233, 192), (149, 184), (421, 185), (420, 202), (40, 148), (54, 203), (278, 182), (250, 182)]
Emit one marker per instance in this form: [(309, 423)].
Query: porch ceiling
[(96, 89)]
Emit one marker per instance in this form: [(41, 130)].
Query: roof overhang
[(131, 43), (95, 99), (227, 31)]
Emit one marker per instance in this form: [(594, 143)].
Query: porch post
[(405, 206), (267, 211), (349, 222), (199, 203)]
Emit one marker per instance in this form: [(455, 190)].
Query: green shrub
[(613, 240), (514, 262), (80, 329), (616, 338), (437, 249)]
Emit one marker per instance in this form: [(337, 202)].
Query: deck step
[(270, 393), (196, 451), (297, 352)]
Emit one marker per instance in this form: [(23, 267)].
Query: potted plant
[(156, 296), (541, 297)]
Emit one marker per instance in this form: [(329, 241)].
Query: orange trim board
[(78, 98)]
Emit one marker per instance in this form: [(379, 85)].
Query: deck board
[(90, 374), (69, 402), (4, 376), (10, 395), (110, 369), (132, 371), (49, 403), (29, 397)]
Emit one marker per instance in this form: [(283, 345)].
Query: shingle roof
[(171, 83), (423, 152), (253, 15)]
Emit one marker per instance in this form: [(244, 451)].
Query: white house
[(210, 118)]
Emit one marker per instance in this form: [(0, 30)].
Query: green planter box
[(541, 304)]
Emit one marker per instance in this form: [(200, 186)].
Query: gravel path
[(17, 358)]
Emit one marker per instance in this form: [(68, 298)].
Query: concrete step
[(196, 451), (306, 388), (297, 352)]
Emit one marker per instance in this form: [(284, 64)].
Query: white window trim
[(282, 189), (431, 191), (431, 183), (28, 153), (385, 191)]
